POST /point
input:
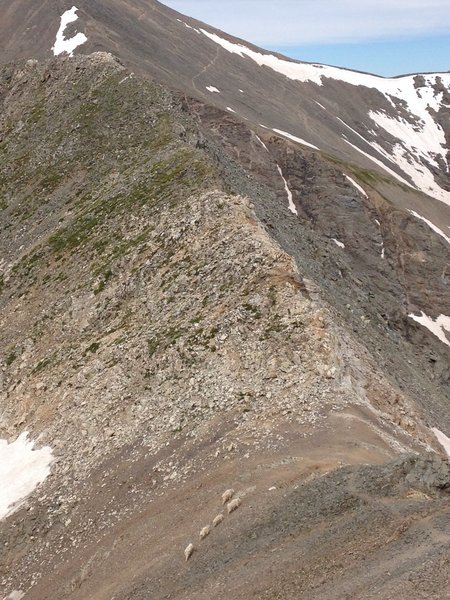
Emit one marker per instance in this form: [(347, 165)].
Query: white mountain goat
[(189, 551), (204, 532), (233, 505), (227, 495), (218, 520)]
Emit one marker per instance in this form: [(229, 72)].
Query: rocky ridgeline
[(122, 285), (207, 316), (206, 323), (147, 312), (135, 307)]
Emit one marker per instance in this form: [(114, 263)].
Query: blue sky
[(387, 37)]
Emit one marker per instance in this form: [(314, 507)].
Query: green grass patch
[(92, 349), (41, 365), (71, 237), (11, 358)]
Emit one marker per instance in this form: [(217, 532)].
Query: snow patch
[(68, 45), (188, 26), (357, 186), (379, 163), (353, 131), (15, 595), (321, 105), (383, 250), (376, 147), (420, 136), (292, 207), (338, 243), (261, 142), (431, 225), (442, 439), (396, 87), (292, 70), (419, 144), (22, 469), (212, 89), (438, 327), (231, 109), (293, 138)]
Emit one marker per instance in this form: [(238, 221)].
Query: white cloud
[(295, 22)]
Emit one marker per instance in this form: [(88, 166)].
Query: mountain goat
[(227, 495), (233, 505), (218, 520), (189, 551)]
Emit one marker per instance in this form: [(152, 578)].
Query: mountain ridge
[(386, 139), (193, 303)]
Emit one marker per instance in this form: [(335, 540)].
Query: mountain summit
[(225, 316)]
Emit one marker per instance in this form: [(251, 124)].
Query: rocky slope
[(190, 303), (389, 135), (396, 126)]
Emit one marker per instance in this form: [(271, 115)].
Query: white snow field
[(442, 439), (438, 327), (294, 138), (431, 225), (416, 136), (22, 469), (262, 143), (63, 44), (357, 186), (15, 595), (292, 207)]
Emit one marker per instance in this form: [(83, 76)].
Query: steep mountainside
[(191, 302), (400, 125)]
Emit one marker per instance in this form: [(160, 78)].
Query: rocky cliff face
[(191, 303)]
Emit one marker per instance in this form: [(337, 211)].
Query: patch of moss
[(93, 348), (173, 334), (37, 112), (101, 286), (27, 263), (41, 365), (74, 235), (253, 310), (369, 177), (52, 179), (11, 358), (152, 345)]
